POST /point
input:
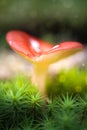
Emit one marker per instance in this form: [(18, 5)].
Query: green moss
[(23, 108), (73, 81)]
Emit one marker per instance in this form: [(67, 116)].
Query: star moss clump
[(18, 100), (22, 107)]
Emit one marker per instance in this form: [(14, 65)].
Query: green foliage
[(3, 44), (23, 108)]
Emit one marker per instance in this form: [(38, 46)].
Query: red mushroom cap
[(32, 47), (66, 46), (26, 44)]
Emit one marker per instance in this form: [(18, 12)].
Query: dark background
[(51, 20)]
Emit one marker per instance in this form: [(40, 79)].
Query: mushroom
[(40, 53)]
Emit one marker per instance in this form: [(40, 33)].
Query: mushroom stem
[(39, 77)]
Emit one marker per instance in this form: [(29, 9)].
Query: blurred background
[(52, 20)]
